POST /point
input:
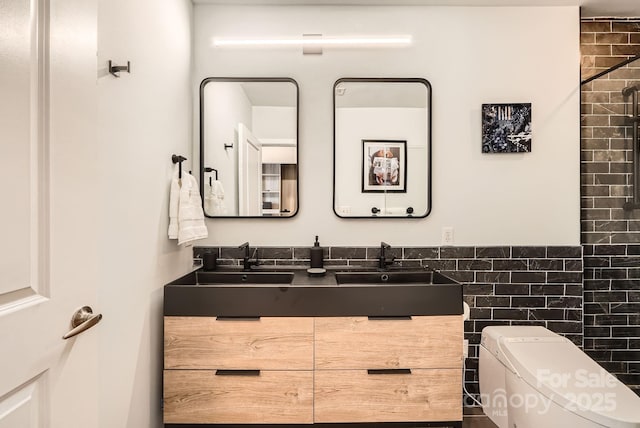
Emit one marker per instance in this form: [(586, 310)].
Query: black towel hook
[(115, 69), (178, 159), (208, 169)]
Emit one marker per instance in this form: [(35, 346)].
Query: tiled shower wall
[(503, 285), (611, 235)]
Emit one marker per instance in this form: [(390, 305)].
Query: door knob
[(83, 319)]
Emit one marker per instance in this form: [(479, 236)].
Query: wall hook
[(228, 146), (115, 69), (178, 159), (208, 169)]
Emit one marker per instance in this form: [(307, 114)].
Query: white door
[(249, 173), (47, 263)]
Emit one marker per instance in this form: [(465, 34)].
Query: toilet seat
[(561, 372)]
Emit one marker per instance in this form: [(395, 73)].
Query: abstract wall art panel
[(506, 128)]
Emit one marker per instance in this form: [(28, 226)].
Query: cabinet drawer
[(357, 396), (201, 396), (264, 343), (362, 343)]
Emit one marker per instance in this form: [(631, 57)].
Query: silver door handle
[(83, 319)]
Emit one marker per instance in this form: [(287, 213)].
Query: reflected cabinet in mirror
[(382, 148), (249, 147)]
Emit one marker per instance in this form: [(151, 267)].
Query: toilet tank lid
[(512, 331), (492, 336)]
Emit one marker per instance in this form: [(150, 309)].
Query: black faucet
[(383, 261), (247, 262)]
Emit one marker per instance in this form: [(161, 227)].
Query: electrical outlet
[(447, 235), (465, 348), (344, 210)]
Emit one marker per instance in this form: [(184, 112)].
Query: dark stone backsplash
[(612, 309), (502, 285)]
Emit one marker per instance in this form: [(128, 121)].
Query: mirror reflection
[(382, 148), (249, 147)]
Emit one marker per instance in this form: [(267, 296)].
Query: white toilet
[(531, 377)]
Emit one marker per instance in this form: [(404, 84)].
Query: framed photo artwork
[(506, 128), (384, 166)]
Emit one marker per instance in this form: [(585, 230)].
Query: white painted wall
[(144, 117), (471, 56), (273, 122), (226, 105)]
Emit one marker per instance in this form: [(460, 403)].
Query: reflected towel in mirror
[(214, 199)]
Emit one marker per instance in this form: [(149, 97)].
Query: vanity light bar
[(323, 41)]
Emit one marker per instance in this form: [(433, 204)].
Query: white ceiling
[(590, 8)]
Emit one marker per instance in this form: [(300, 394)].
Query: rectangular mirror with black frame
[(382, 148), (249, 147)]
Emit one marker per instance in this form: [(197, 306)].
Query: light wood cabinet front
[(264, 344), (356, 396), (304, 370), (361, 343), (201, 396)]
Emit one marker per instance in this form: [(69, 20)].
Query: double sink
[(245, 277), (422, 276), (292, 291)]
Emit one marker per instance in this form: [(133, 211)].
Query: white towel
[(186, 219), (174, 199), (214, 199)]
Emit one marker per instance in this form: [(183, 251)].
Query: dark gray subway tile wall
[(502, 285), (612, 309), (610, 234)]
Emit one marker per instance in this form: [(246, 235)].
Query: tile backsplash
[(612, 309), (535, 285)]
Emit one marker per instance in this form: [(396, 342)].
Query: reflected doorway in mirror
[(249, 132)]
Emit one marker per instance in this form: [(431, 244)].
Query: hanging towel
[(214, 199), (186, 219), (190, 216)]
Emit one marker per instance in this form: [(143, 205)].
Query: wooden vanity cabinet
[(388, 369), (388, 342), (267, 343), (414, 395), (303, 370), (268, 397), (314, 354), (238, 370)]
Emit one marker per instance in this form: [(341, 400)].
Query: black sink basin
[(245, 277), (406, 277)]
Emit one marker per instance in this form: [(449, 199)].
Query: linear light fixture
[(316, 41)]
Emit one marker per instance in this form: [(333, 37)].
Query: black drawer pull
[(237, 372), (389, 318), (220, 318), (388, 371)]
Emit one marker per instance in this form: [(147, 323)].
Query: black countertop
[(311, 295)]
